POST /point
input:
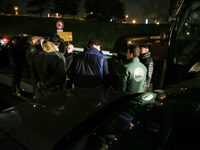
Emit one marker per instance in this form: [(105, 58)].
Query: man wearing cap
[(55, 38), (89, 69)]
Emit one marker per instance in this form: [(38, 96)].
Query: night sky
[(133, 7)]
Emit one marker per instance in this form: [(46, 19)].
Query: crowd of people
[(54, 66)]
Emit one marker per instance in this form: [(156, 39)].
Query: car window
[(188, 33)]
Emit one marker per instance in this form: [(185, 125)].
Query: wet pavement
[(9, 99), (6, 79)]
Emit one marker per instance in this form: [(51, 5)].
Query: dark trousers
[(17, 76)]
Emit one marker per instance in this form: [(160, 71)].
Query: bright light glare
[(146, 21), (134, 21), (4, 41), (16, 8), (157, 22)]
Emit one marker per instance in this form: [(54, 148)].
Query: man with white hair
[(69, 56)]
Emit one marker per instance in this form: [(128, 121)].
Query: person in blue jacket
[(89, 69)]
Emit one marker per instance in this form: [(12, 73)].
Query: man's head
[(70, 48), (94, 43), (35, 40), (55, 38), (144, 49), (133, 51), (48, 46)]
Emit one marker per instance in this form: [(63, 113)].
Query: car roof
[(41, 124), (121, 44)]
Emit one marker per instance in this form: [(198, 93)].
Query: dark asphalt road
[(5, 96), (7, 99)]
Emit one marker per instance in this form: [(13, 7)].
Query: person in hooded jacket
[(147, 60), (48, 67)]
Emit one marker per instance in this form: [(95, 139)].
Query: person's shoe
[(16, 93), (34, 97), (20, 90)]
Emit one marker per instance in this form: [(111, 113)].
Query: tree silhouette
[(156, 9), (69, 7), (8, 7), (119, 10), (39, 6), (3, 6), (104, 10)]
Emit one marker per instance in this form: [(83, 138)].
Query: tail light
[(4, 40)]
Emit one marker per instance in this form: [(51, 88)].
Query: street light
[(146, 21), (134, 21), (16, 8), (126, 18)]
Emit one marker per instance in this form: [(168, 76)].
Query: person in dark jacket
[(147, 60), (69, 56), (17, 48), (48, 68), (89, 69)]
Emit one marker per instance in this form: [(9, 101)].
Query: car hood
[(41, 124)]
